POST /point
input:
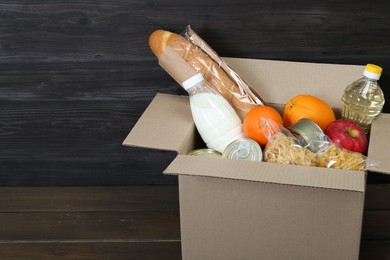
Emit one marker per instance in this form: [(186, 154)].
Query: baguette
[(202, 63)]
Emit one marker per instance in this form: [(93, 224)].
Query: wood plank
[(91, 250), (104, 80), (83, 199), (75, 77), (378, 178), (75, 143), (379, 250), (93, 226), (124, 198), (120, 28), (376, 225), (64, 226), (377, 197)]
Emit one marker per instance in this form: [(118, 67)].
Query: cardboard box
[(231, 209)]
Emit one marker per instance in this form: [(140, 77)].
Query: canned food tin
[(243, 149), (308, 133), (205, 152)]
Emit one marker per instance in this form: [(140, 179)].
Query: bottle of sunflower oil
[(363, 99)]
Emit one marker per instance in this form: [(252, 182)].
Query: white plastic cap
[(371, 75), (192, 81), (372, 71)]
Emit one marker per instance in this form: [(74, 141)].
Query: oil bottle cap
[(192, 81), (372, 71)]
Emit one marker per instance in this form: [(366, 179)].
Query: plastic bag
[(224, 79), (284, 147)]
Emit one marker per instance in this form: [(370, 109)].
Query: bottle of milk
[(216, 121)]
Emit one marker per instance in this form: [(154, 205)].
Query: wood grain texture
[(376, 225), (377, 197), (89, 199), (54, 213), (133, 251), (135, 222), (125, 198), (92, 250), (94, 226), (374, 250), (76, 76)]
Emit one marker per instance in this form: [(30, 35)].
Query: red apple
[(348, 135)]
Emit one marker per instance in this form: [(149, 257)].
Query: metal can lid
[(243, 149), (205, 152)]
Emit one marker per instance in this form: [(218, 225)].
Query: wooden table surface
[(75, 76), (126, 222)]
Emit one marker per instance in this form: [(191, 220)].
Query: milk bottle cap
[(372, 71), (192, 81)]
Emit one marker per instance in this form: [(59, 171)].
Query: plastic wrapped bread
[(199, 57)]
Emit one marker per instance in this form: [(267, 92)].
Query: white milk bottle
[(216, 121)]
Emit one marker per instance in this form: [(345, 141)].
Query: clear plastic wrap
[(284, 147), (333, 156), (221, 77)]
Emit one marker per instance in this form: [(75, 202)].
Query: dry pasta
[(336, 157), (283, 149)]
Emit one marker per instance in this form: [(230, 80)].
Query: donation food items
[(348, 135), (233, 89), (215, 119), (307, 106), (252, 124), (304, 142), (283, 149), (339, 158), (221, 102), (363, 99)]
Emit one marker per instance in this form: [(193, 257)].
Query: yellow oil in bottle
[(363, 99)]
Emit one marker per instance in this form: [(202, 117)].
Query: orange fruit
[(307, 106), (253, 126)]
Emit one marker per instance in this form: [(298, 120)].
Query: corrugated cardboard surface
[(279, 81), (380, 143), (230, 219), (268, 173), (234, 209), (166, 124)]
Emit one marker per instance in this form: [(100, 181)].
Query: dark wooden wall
[(75, 76)]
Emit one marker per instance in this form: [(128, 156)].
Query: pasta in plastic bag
[(283, 147)]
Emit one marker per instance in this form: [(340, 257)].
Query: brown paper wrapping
[(247, 93), (175, 65)]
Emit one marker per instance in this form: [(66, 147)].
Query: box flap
[(380, 143), (268, 172), (165, 125), (279, 81)]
